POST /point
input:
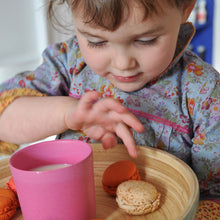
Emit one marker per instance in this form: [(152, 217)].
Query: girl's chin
[(128, 87)]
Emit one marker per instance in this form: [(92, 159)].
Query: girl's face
[(135, 53)]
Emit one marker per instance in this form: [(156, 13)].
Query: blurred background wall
[(25, 32)]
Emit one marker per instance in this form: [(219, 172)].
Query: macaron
[(137, 197), (11, 185), (117, 173), (8, 204)]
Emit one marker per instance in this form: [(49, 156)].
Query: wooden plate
[(172, 177)]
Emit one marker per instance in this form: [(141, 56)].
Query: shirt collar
[(186, 33)]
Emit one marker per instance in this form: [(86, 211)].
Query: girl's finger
[(109, 140), (88, 99), (126, 136), (109, 104), (119, 113), (129, 119), (96, 132)]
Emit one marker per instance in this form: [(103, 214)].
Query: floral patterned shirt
[(180, 110)]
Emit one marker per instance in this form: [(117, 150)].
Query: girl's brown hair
[(108, 14)]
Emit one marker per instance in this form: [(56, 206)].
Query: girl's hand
[(103, 120)]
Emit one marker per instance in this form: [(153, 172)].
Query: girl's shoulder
[(198, 79), (195, 66), (66, 53), (198, 73), (67, 48)]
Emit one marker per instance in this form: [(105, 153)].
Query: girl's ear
[(187, 9)]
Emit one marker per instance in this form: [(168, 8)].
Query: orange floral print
[(206, 103), (196, 69), (79, 55), (30, 77), (191, 104), (161, 145), (215, 108), (76, 69), (63, 49), (199, 139), (107, 91)]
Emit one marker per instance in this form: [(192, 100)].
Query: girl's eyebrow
[(85, 33), (149, 32)]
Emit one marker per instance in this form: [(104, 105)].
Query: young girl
[(126, 76)]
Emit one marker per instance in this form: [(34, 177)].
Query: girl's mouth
[(127, 78)]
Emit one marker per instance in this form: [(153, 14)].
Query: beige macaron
[(137, 197)]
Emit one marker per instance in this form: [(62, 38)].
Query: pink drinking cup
[(62, 194)]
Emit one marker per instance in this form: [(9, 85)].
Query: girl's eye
[(147, 41), (96, 44)]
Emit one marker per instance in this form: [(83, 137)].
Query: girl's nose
[(123, 60)]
